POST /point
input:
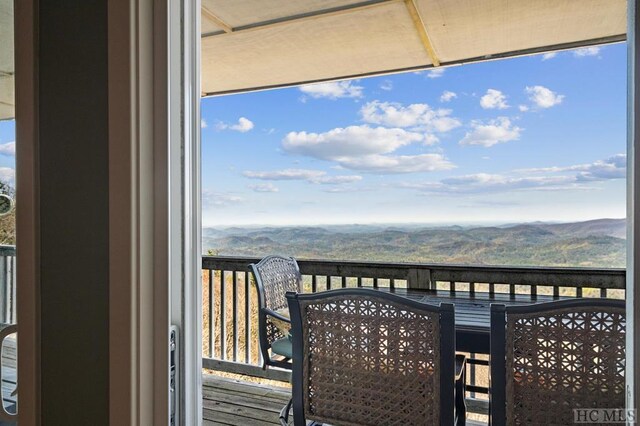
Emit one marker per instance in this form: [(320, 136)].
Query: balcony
[(236, 390), (230, 339)]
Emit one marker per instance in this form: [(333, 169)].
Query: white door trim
[(184, 213), (633, 198), (138, 213)]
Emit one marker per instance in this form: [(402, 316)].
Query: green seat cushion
[(282, 347)]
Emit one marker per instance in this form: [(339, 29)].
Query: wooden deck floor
[(241, 403), (9, 377), (235, 402)]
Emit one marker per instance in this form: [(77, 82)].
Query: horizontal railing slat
[(246, 369), (7, 250), (613, 278)]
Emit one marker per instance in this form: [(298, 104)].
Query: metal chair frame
[(266, 312), (447, 386), (498, 356)]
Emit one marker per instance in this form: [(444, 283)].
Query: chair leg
[(461, 404), (284, 413)]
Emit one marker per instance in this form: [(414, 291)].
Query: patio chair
[(363, 357), (274, 277), (7, 416), (550, 358)]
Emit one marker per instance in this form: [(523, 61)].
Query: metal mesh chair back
[(368, 358), (560, 357), (275, 276)]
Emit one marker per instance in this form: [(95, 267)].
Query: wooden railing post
[(419, 278), (7, 284), (4, 290)]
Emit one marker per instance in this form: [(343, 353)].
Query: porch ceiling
[(248, 46), (6, 60)]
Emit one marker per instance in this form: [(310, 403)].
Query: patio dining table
[(472, 311)]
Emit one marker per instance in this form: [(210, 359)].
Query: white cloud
[(219, 199), (574, 177), (8, 149), (350, 141), (429, 139), (611, 168), (543, 97), (287, 174), (435, 73), (392, 164), (203, 123), (549, 55), (415, 115), (480, 183), (387, 85), (484, 181), (264, 187), (332, 90), (7, 175), (447, 96), (311, 176), (337, 180), (490, 133), (345, 189), (494, 99), (586, 51), (523, 108), (243, 125), (367, 149)]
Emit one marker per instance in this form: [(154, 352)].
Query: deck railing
[(7, 284), (230, 334)]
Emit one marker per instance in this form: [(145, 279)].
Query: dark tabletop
[(472, 310)]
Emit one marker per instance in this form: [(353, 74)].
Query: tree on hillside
[(8, 222)]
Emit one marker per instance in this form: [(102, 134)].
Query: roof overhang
[(252, 44), (247, 46), (6, 60)]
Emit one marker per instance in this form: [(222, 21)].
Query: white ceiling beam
[(422, 31), (209, 15)]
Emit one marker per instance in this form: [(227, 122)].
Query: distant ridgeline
[(596, 243)]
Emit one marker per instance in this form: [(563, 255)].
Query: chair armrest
[(461, 364), (276, 315)]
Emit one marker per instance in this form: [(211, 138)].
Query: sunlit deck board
[(233, 402), (9, 376)]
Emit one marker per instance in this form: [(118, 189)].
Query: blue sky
[(7, 151), (524, 139), (534, 138)]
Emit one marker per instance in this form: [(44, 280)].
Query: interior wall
[(74, 211)]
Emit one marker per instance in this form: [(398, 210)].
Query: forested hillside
[(597, 243)]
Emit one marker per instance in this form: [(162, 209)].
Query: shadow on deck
[(238, 403)]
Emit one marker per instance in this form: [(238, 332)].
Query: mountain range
[(595, 243)]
